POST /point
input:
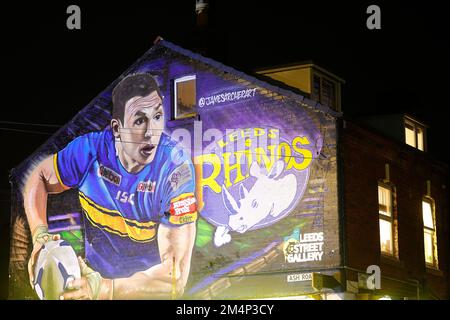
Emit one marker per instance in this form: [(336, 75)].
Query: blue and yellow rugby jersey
[(122, 210)]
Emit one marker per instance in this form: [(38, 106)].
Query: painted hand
[(40, 237), (91, 286)]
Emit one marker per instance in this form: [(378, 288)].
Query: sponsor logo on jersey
[(109, 175), (183, 206), (146, 186), (180, 176), (183, 209)]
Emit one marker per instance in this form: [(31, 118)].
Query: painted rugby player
[(136, 189)]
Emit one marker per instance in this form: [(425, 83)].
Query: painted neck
[(132, 166)]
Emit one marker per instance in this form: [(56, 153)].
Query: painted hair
[(134, 85)]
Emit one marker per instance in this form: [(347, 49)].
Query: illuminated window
[(184, 97), (324, 91), (414, 135), (429, 233), (386, 219)]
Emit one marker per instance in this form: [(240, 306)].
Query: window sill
[(434, 271), (410, 147), (183, 121), (391, 260)]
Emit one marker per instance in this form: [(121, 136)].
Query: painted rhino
[(268, 196)]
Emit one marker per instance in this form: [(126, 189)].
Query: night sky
[(56, 71), (53, 72)]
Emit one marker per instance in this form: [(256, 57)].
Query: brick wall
[(364, 155)]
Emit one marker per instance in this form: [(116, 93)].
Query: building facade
[(265, 182), (393, 196), (286, 190), (396, 215)]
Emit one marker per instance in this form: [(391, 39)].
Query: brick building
[(393, 197), (325, 240), (374, 164)]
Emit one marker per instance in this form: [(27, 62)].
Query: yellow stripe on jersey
[(107, 211), (145, 232), (181, 196), (55, 166), (186, 218)]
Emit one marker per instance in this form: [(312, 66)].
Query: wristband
[(95, 283), (94, 280), (39, 232)]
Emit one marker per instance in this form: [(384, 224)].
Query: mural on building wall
[(235, 191)]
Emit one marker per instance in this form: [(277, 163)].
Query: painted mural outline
[(223, 172)]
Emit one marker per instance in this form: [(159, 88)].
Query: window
[(415, 135), (328, 93), (386, 220), (324, 91), (429, 232), (184, 97)]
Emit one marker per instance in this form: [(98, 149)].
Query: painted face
[(141, 131)]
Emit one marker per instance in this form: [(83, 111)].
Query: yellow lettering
[(258, 132), (307, 155), (273, 133), (249, 158), (227, 168), (286, 153), (211, 180), (245, 132), (221, 143), (293, 155), (233, 136), (262, 157)]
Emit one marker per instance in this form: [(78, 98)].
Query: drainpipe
[(340, 125)]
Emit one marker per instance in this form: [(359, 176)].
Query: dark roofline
[(406, 115), (285, 92), (356, 121), (284, 65)]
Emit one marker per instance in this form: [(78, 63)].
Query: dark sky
[(51, 72), (56, 71)]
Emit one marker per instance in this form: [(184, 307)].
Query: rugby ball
[(56, 266)]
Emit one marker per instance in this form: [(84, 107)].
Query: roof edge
[(299, 65), (221, 66)]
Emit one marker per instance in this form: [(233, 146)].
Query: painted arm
[(157, 282), (175, 247), (40, 183)]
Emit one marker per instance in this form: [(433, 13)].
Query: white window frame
[(391, 219), (433, 231), (416, 126), (175, 98)]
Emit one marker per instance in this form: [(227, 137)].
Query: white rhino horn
[(229, 201)]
